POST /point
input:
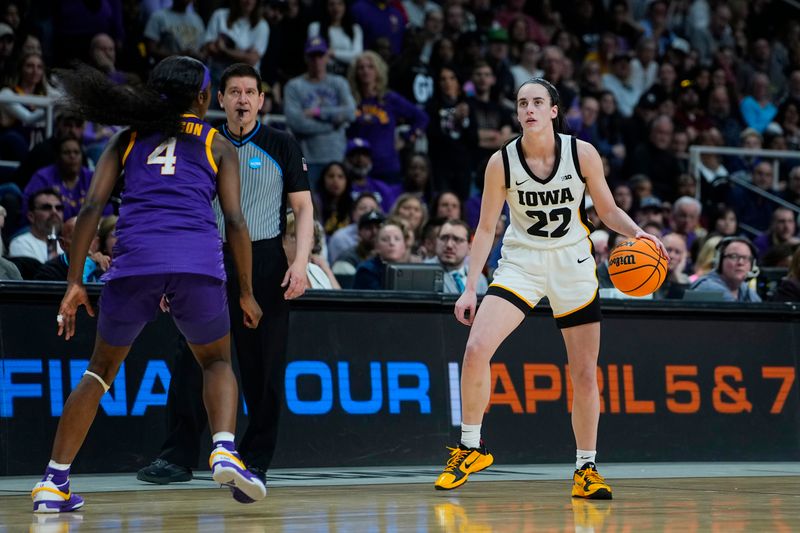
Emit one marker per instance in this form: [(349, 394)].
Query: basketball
[(636, 267)]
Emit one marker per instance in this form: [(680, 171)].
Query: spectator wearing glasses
[(46, 215), (734, 264), (56, 269), (452, 248)]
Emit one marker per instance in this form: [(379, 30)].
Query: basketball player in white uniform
[(546, 252)]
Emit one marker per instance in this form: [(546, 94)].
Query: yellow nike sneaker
[(589, 484), (463, 462)]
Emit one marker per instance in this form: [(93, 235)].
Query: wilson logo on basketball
[(622, 260), (637, 268)]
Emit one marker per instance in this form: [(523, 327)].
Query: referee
[(273, 174)]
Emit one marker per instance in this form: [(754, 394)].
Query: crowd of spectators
[(397, 105)]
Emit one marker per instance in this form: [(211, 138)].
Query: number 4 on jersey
[(167, 160)]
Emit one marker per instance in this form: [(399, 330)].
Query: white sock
[(58, 466), (222, 436), (471, 435), (584, 456)]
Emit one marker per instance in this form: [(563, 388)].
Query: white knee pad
[(98, 378)]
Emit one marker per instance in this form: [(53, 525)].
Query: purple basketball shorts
[(198, 304)]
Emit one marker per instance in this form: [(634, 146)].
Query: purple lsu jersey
[(166, 222)]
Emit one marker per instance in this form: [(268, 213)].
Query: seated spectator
[(452, 134), (754, 210), (789, 120), (751, 140), (782, 230), (6, 50), (318, 108), (686, 186), (8, 270), (23, 126), (107, 235), (379, 110), (779, 256), (346, 38), (319, 272), (734, 264), (757, 108), (333, 198), (347, 237), (390, 247), (103, 57), (600, 238), (654, 159), (410, 209), (641, 186), (621, 83), (710, 171), (677, 281), (430, 232), (418, 178), (792, 191), (368, 226), (447, 206), (46, 216), (67, 125), (452, 249), (725, 223), (584, 125), (789, 288), (380, 20), (690, 114), (623, 197), (528, 66), (175, 30), (704, 258), (56, 269), (235, 34), (67, 176), (722, 116), (358, 164), (494, 122), (686, 219)]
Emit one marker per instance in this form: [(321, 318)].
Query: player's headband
[(206, 79)]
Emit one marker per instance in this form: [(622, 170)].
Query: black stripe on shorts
[(585, 315), (510, 297)]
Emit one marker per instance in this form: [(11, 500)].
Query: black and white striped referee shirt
[(271, 166)]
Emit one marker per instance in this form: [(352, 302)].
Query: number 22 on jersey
[(164, 155)]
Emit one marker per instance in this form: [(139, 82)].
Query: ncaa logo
[(254, 162)]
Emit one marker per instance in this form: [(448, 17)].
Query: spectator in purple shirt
[(67, 176), (78, 21), (358, 164), (378, 112), (377, 19)]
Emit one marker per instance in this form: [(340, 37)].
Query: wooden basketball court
[(513, 498)]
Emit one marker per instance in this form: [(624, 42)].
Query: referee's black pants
[(261, 356)]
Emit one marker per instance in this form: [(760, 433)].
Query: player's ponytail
[(156, 107), (559, 123)]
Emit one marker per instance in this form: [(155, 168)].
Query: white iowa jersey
[(548, 211)]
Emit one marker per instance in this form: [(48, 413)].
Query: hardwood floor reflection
[(685, 505)]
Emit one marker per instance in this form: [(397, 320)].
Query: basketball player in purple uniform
[(174, 165)]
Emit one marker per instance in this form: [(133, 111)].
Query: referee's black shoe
[(162, 472)]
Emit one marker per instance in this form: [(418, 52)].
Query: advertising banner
[(372, 382)]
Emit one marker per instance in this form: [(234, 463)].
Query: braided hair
[(157, 107)]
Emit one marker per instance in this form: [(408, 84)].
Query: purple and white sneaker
[(51, 498), (228, 469)]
